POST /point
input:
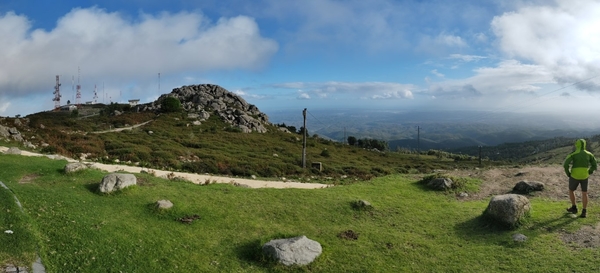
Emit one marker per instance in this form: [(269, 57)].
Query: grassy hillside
[(410, 229), (170, 142)]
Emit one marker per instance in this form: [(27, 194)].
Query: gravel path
[(192, 177)]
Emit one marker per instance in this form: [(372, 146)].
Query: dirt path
[(122, 129), (192, 177)]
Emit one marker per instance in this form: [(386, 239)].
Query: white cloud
[(111, 47), (248, 95), (506, 79), (303, 96), (466, 58), (368, 90), (562, 36), (435, 72), (4, 106)]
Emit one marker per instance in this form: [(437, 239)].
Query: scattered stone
[(117, 181), (508, 209), (164, 204), (463, 195), (440, 184), (293, 251), (241, 185), (526, 187), (519, 237), (150, 132), (13, 151), (253, 176), (189, 219), (74, 167), (349, 235), (362, 205)]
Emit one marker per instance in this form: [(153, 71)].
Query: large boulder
[(117, 181), (74, 167), (164, 204), (525, 187), (293, 251), (440, 184), (508, 209), (13, 151)]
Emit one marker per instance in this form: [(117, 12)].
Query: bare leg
[(572, 197), (584, 199)]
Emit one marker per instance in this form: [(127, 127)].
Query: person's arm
[(567, 164), (593, 164)]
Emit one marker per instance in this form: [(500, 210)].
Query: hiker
[(583, 165)]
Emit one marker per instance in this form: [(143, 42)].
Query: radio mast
[(78, 94), (57, 94)]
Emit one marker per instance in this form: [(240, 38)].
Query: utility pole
[(418, 141), (304, 140), (480, 156)]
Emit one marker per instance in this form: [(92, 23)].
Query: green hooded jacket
[(584, 162)]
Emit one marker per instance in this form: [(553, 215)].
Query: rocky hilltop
[(203, 100)]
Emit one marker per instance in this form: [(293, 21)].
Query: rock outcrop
[(203, 100), (117, 181), (293, 251), (508, 209)]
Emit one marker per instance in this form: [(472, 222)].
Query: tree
[(170, 105), (351, 140)]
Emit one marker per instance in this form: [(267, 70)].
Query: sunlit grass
[(409, 229)]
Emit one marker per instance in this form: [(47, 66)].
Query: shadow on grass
[(93, 187), (251, 252)]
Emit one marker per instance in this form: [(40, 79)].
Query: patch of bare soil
[(28, 178), (502, 180), (348, 235)]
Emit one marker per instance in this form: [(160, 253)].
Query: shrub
[(170, 105), (325, 153)]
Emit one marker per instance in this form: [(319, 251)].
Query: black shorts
[(574, 183)]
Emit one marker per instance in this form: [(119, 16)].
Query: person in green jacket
[(579, 165)]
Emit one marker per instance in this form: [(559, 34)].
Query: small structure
[(133, 102), (68, 108)]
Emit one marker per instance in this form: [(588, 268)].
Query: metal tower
[(57, 94), (95, 94), (78, 94)]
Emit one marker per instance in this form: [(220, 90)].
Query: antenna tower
[(95, 94), (57, 94), (78, 94)]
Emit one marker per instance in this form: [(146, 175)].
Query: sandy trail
[(192, 177)]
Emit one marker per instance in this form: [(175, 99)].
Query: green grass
[(409, 229), (214, 147)]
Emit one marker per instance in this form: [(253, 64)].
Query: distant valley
[(442, 130)]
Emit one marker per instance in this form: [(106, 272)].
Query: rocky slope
[(203, 100)]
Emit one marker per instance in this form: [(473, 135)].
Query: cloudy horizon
[(481, 55)]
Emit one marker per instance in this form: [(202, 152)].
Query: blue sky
[(499, 55)]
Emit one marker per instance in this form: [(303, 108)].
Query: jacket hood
[(580, 144)]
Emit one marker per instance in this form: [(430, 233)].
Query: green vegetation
[(171, 105), (218, 148), (409, 228)]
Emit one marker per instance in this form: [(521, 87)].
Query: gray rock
[(13, 151), (117, 181), (519, 237), (508, 209), (463, 195), (74, 167), (525, 187), (13, 131), (293, 251), (440, 184), (362, 204), (164, 204), (4, 132)]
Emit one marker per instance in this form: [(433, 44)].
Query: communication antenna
[(78, 94), (57, 94), (73, 88), (95, 94)]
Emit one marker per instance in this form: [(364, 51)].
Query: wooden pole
[(304, 140)]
